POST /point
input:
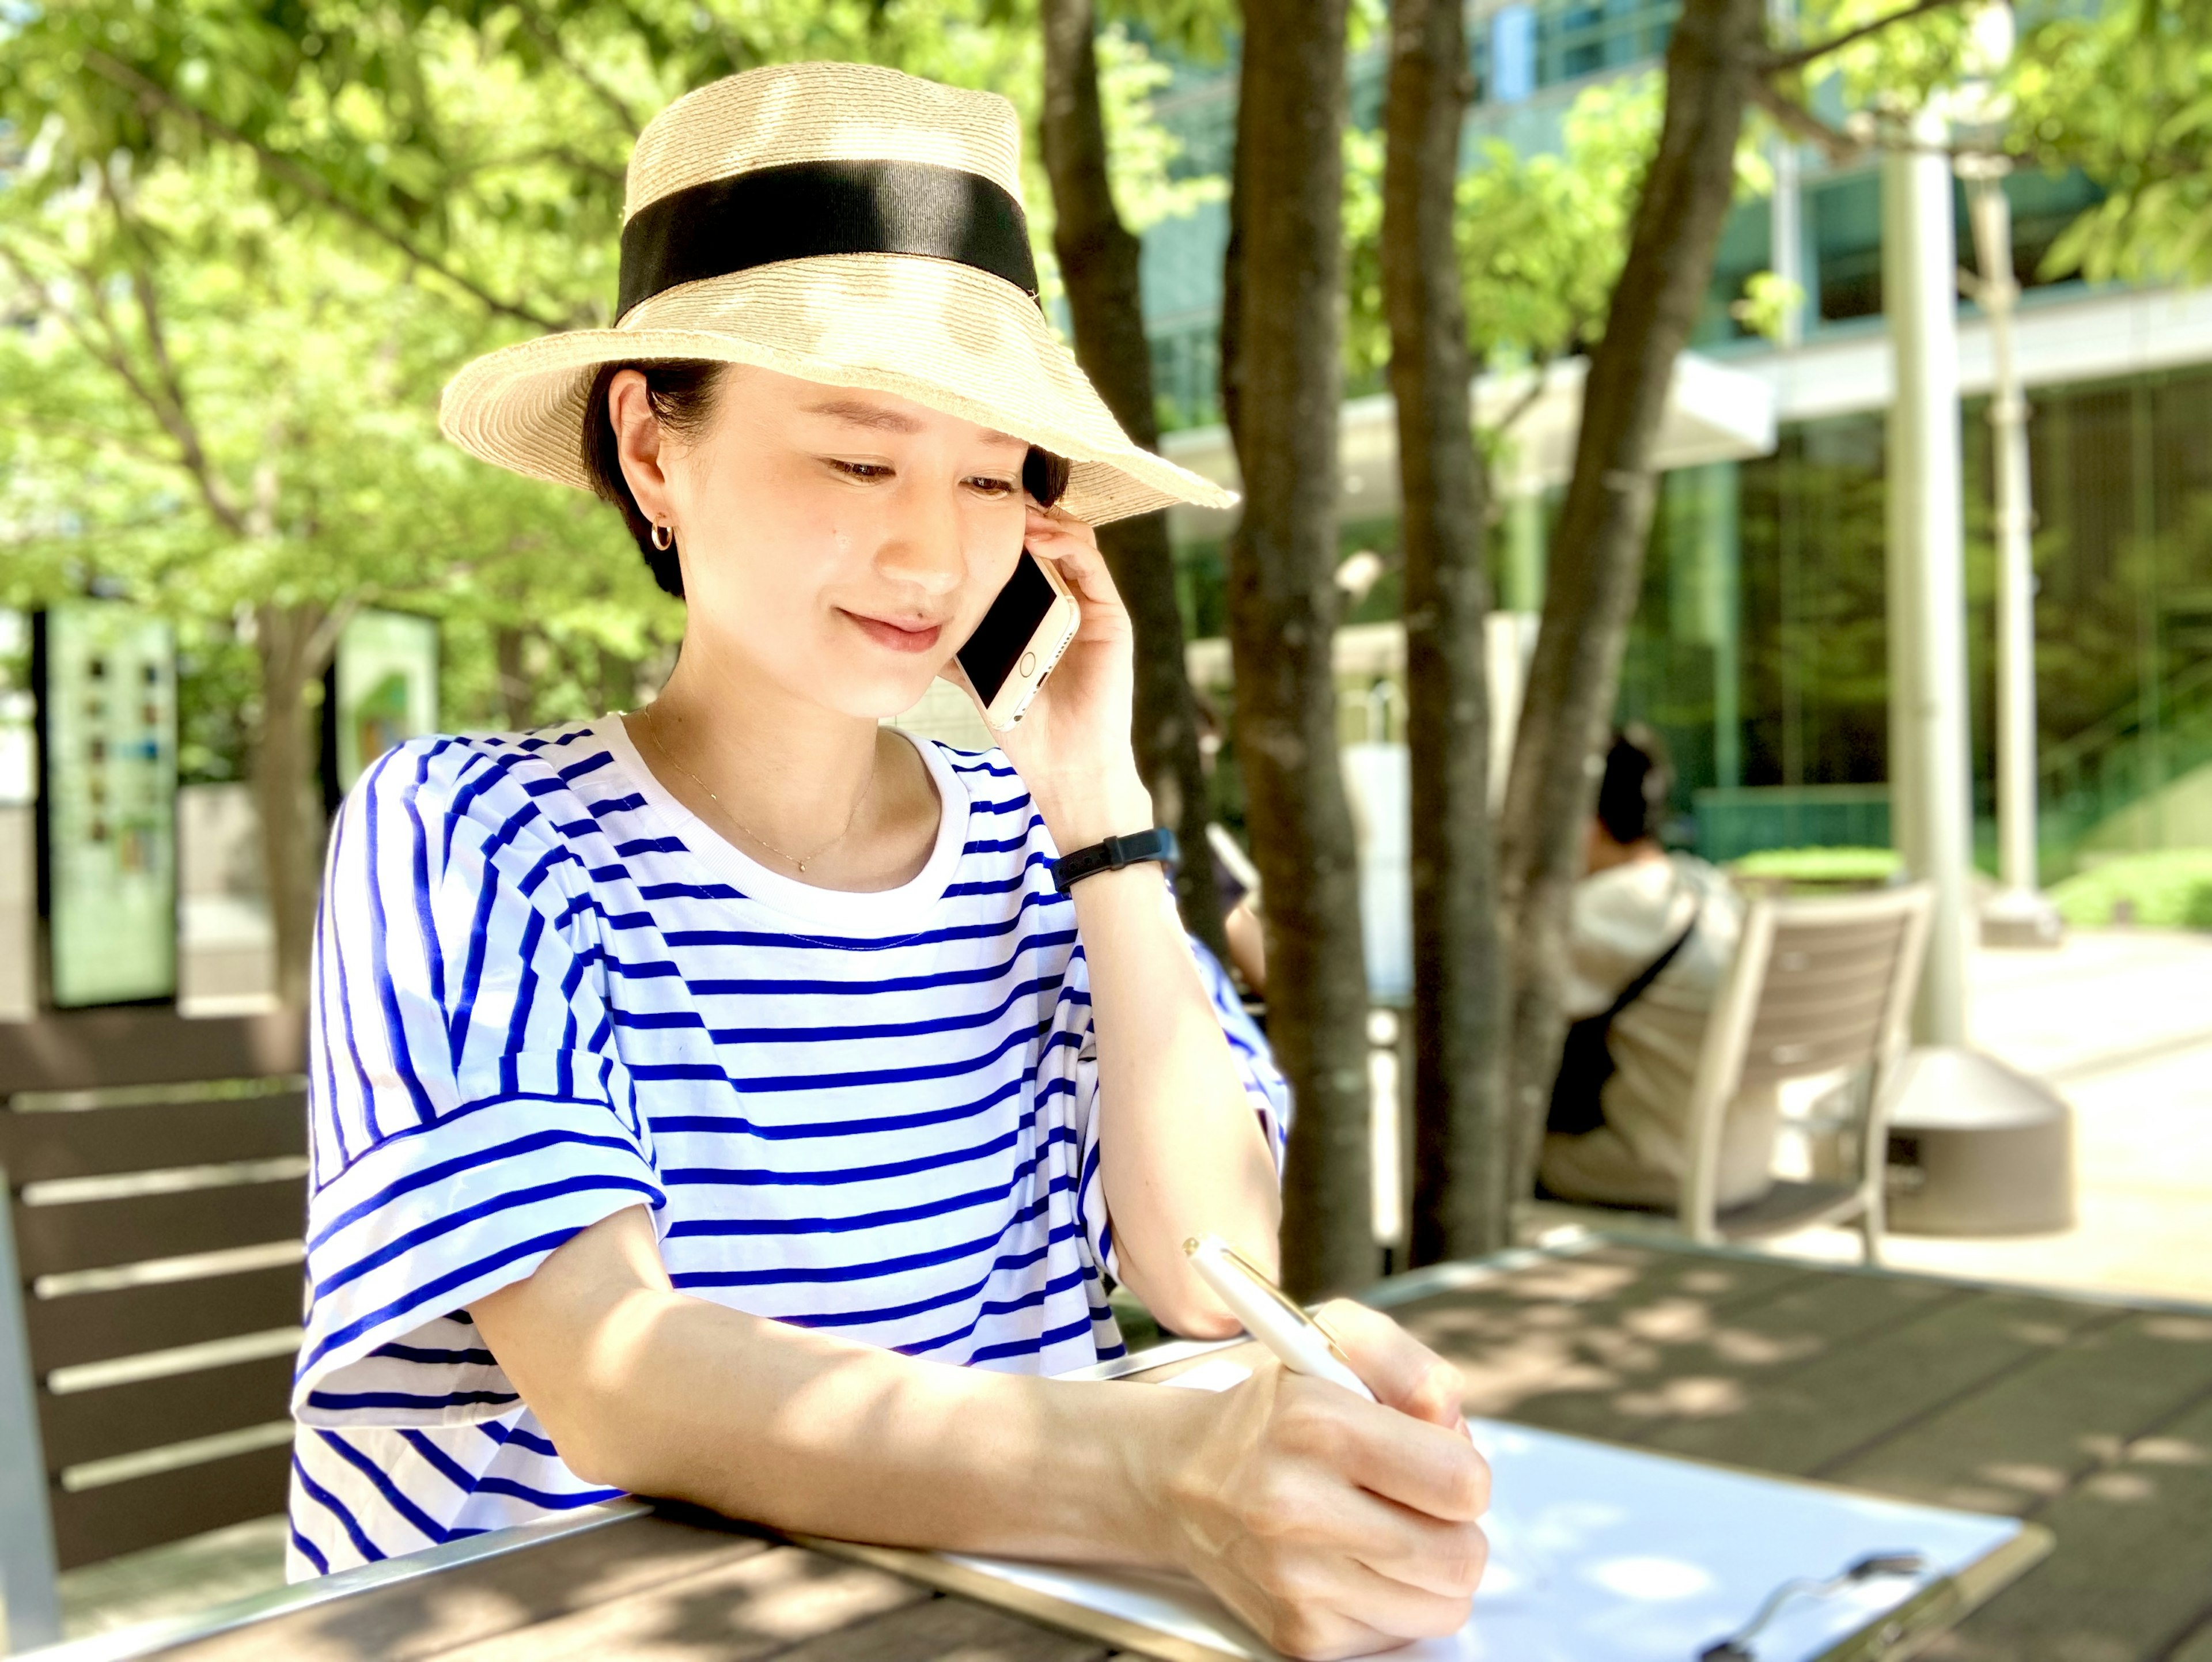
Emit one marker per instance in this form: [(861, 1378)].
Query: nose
[(925, 549)]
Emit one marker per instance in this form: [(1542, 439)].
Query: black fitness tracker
[(1115, 852)]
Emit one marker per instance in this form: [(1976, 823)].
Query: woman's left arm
[(1180, 1151)]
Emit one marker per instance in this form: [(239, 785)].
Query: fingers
[(1316, 1600), (1072, 546), (1404, 1546), (1416, 1463), (1357, 1613), (1403, 1372), (1336, 1525)]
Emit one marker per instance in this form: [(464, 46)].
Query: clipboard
[(1608, 1555)]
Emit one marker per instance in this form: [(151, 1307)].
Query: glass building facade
[(1759, 646)]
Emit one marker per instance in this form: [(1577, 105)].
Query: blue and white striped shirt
[(545, 992)]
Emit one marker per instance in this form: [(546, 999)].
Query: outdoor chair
[(1818, 988), (154, 1176)]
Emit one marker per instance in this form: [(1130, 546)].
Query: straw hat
[(843, 223)]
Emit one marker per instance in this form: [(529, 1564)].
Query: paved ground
[(2121, 1022)]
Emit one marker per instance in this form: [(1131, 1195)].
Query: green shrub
[(2170, 890), (1820, 864)]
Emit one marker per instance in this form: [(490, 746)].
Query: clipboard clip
[(1737, 1647)]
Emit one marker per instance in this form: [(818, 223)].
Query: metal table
[(2092, 1417)]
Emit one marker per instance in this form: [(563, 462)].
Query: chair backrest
[(154, 1176), (1817, 986)]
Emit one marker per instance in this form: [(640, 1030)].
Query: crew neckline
[(875, 912)]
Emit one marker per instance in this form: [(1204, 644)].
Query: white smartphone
[(1020, 639)]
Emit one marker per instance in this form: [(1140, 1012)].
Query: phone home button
[(1028, 665)]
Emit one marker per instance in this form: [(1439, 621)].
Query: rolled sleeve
[(468, 1112)]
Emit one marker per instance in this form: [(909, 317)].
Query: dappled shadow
[(1646, 1334), (437, 1613)]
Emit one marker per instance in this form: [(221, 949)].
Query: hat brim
[(948, 337)]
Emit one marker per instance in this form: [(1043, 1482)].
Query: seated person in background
[(1649, 942)]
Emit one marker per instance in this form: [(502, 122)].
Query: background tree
[(1281, 376), (1098, 255), (1719, 64), (1598, 553), (239, 418), (1458, 966), (459, 164)]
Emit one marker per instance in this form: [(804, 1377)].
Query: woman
[(691, 1087)]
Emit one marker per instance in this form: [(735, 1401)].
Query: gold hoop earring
[(664, 537)]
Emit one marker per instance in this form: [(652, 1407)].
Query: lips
[(896, 637)]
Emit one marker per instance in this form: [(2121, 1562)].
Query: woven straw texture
[(822, 112), (945, 335)]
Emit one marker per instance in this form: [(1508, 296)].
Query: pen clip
[(1252, 1273)]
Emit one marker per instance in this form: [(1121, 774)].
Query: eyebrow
[(859, 412)]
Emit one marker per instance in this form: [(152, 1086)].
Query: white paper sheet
[(1602, 1554)]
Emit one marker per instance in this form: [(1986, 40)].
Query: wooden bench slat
[(2197, 1647), (92, 1425), (91, 1142), (947, 1627), (1833, 940), (432, 1616), (2132, 1575), (1837, 1404), (1628, 1380), (1610, 1278), (95, 1235), (129, 1321), (1523, 1317), (94, 1049), (755, 1607), (96, 1524), (2032, 1434)]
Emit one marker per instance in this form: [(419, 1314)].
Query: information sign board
[(109, 704), (383, 691)]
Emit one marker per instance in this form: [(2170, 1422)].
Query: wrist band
[(1115, 852)]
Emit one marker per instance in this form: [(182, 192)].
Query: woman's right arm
[(1332, 1525)]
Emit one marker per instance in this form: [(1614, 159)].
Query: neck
[(1604, 853), (786, 770)]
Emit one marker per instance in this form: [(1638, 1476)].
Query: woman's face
[(842, 543)]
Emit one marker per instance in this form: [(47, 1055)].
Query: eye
[(992, 486), (868, 472)]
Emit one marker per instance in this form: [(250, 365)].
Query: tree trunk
[(1461, 1128), (1281, 389), (1098, 264), (1597, 552), (293, 647)]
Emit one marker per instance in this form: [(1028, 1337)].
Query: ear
[(639, 444)]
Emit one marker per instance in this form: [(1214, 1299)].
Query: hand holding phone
[(1019, 640)]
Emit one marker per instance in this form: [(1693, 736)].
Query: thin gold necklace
[(652, 732)]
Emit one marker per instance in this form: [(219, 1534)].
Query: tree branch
[(1776, 63), (310, 184), (324, 642), (173, 409), (548, 35), (1527, 401), (1799, 122)]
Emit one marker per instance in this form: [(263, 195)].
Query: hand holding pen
[(1335, 1526)]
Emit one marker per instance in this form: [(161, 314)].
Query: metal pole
[(1930, 776), (2018, 915)]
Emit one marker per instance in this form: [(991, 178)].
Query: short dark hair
[(1639, 777), (681, 394)]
